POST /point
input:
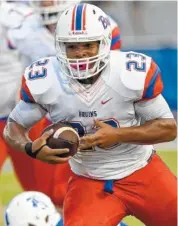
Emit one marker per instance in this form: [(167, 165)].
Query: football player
[(25, 27), (104, 95), (32, 209), (10, 80)]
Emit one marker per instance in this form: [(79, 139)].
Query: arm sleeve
[(153, 109), (153, 82), (27, 114), (25, 93)]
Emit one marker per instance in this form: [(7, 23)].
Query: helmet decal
[(79, 17)]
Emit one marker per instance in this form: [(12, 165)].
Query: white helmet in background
[(50, 10), (83, 23), (32, 209)]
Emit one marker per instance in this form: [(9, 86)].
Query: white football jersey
[(10, 75), (130, 77)]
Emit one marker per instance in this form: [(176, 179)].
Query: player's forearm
[(152, 132), (16, 136)]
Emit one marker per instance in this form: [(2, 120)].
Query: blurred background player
[(10, 80), (27, 23), (12, 18), (20, 24), (29, 28), (32, 209), (25, 31)]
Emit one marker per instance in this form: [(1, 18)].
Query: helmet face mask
[(85, 67), (93, 30)]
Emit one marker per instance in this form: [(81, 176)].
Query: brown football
[(64, 136)]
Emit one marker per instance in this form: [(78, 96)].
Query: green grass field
[(9, 185)]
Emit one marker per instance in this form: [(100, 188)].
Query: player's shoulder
[(137, 73), (135, 68), (41, 78), (13, 14), (42, 70)]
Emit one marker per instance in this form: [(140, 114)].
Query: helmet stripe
[(73, 18), (78, 21), (84, 18)]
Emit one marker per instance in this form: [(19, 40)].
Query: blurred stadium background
[(149, 27)]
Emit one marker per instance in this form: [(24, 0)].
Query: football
[(64, 136)]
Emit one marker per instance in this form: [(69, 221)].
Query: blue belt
[(108, 186)]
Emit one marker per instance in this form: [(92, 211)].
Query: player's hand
[(105, 137), (47, 154)]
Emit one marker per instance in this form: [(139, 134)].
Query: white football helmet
[(83, 23), (32, 209), (50, 10)]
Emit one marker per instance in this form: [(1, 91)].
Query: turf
[(9, 185)]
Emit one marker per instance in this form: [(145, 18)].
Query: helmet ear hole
[(47, 218)]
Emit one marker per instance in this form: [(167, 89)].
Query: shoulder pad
[(142, 75), (153, 85), (13, 14), (130, 70), (41, 80), (138, 76), (135, 68)]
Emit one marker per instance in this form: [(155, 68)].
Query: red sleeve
[(25, 93), (116, 39), (153, 82)]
